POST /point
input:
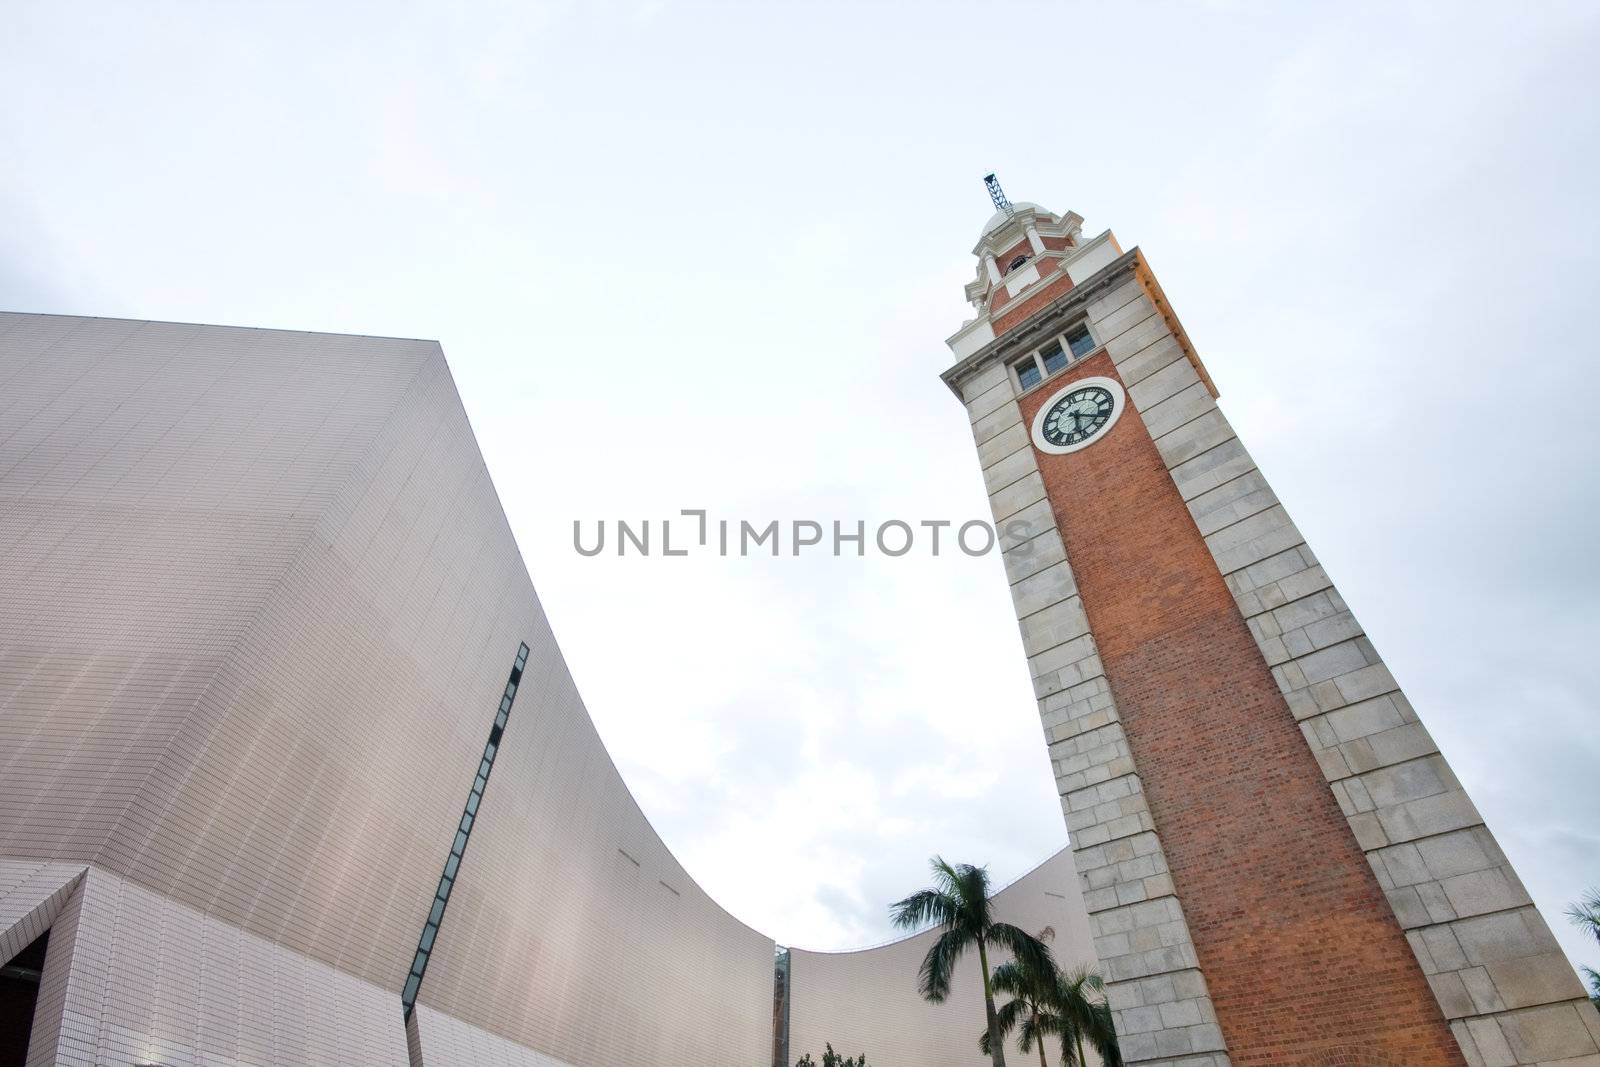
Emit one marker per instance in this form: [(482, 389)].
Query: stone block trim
[(1179, 735), (1489, 958), (1163, 1012)]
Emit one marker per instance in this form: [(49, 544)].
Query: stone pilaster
[(1501, 980), (1163, 1011)]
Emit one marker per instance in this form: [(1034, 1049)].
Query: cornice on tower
[(1026, 256)]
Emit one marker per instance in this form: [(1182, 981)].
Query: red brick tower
[(1279, 866)]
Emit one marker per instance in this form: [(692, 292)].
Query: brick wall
[(1052, 285), (1300, 949)]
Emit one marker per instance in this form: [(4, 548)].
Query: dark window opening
[(19, 995), (1028, 374), (1015, 263), (780, 1008), (1054, 358), (1079, 341)]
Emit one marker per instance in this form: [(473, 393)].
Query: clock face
[(1077, 415)]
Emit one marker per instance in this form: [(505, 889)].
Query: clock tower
[(1279, 865)]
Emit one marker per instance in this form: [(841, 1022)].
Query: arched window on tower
[(1015, 263)]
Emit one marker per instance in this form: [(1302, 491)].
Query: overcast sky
[(689, 256)]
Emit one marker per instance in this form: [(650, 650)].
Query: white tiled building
[(260, 615)]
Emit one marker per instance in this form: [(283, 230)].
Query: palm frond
[(933, 978), (1031, 954), (1069, 1043), (1103, 1036), (927, 907), (1010, 978), (974, 894), (1586, 913), (1011, 1015), (1079, 1003)]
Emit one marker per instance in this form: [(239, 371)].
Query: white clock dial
[(1078, 415)]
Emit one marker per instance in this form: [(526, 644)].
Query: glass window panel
[(1028, 374), (1080, 341), (430, 930), (1054, 358)]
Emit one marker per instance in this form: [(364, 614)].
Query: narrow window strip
[(458, 847)]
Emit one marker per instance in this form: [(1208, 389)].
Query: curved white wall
[(867, 1001), (260, 604)]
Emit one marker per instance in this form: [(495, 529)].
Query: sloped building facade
[(291, 768)]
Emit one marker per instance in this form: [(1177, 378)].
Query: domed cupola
[(1027, 256)]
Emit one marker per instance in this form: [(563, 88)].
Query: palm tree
[(1071, 1004), (958, 903), (1586, 915), (1083, 1015), (1029, 1010)]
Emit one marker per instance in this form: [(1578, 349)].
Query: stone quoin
[(1279, 866)]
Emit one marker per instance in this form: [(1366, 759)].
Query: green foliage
[(958, 904), (1585, 915), (1048, 1001), (831, 1058)]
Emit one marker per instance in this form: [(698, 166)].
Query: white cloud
[(689, 256)]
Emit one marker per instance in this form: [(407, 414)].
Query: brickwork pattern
[(1163, 1010), (1495, 970), (1297, 944), (1052, 284)]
